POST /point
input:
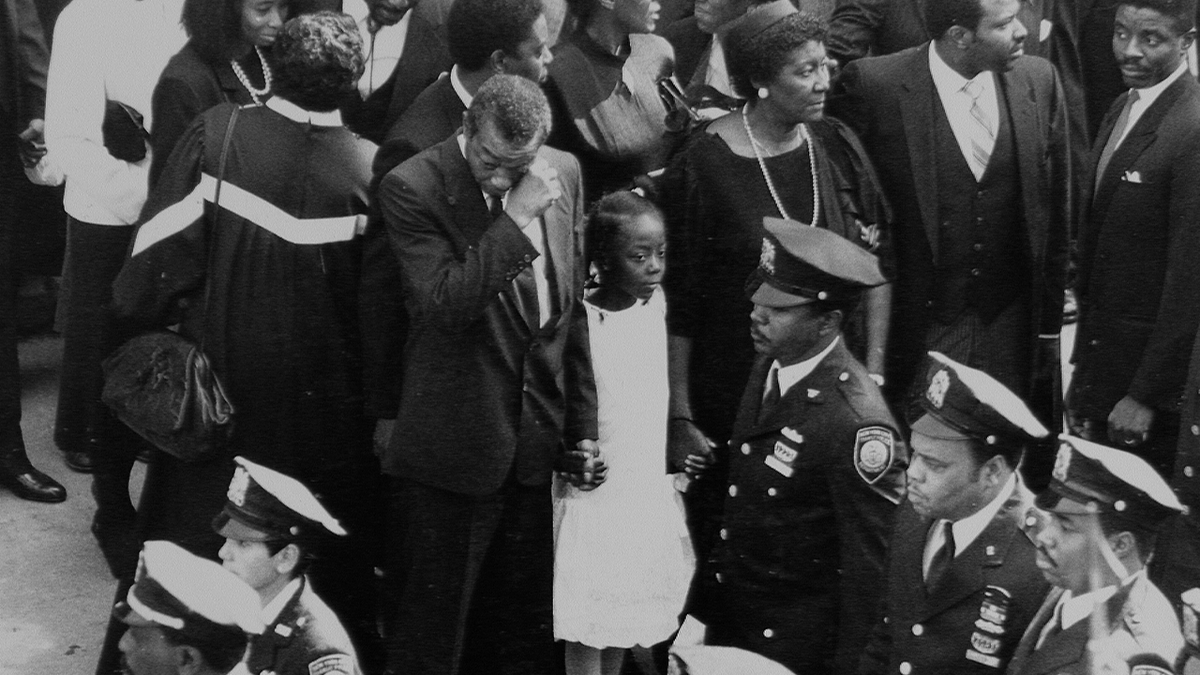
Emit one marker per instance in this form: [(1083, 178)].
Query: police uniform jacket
[(813, 486), (1138, 620), (305, 639), (971, 621)]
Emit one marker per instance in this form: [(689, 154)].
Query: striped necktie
[(982, 130)]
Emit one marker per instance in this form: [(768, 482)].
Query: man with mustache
[(1105, 509), (969, 137), (962, 583)]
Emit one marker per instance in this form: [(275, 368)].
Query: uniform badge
[(782, 458), (874, 452), (993, 611), (766, 259), (985, 644), (938, 386), (1062, 463), (238, 486), (340, 664)]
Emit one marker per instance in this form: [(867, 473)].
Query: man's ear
[(960, 35), (1188, 39), (497, 61), (993, 469), (831, 321), (188, 660), (287, 559), (1123, 544)]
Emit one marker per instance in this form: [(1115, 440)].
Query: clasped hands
[(583, 466)]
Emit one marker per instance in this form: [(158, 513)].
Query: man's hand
[(583, 466), (689, 448), (1129, 423), (538, 189), (32, 145)]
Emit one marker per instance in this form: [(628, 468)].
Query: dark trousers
[(478, 575), (10, 376)]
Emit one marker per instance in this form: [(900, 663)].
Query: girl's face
[(638, 257), (637, 16), (261, 20)]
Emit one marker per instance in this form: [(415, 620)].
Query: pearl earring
[(763, 92)]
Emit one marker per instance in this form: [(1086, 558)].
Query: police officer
[(185, 615), (1105, 508), (816, 467), (962, 579), (272, 524)]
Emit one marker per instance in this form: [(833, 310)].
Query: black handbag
[(162, 385)]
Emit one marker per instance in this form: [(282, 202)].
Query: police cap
[(800, 264), (265, 505)]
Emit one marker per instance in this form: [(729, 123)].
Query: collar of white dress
[(293, 112)]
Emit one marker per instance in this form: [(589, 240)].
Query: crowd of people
[(604, 336)]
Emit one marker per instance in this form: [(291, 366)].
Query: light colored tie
[(1114, 139), (982, 128)]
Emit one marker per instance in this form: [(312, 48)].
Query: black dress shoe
[(79, 460), (26, 482)]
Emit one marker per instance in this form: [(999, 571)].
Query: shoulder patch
[(874, 452), (341, 664)]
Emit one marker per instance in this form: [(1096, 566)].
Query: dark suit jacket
[(306, 636), (861, 28), (890, 102), (795, 575), (483, 387), (425, 57), (433, 117), (24, 60), (690, 44), (996, 577), (1138, 242), (1138, 610)]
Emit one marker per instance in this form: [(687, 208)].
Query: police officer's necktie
[(940, 563), (525, 284), (771, 395), (1114, 139)]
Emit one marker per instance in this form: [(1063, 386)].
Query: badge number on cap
[(938, 387)]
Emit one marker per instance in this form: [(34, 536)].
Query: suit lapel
[(747, 417), (559, 225), (1033, 631), (966, 574), (462, 193), (917, 110)]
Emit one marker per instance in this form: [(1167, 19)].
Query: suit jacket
[(1138, 619), (24, 60), (996, 579), (813, 488), (891, 102), (861, 28), (433, 117), (1138, 281), (690, 45), (306, 637), (425, 57), (484, 386)]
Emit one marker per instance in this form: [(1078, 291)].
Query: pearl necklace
[(241, 76), (762, 165)]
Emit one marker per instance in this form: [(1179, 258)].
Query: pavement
[(55, 589)]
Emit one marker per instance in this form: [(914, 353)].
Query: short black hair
[(942, 15), (306, 544), (761, 57), (221, 647), (517, 107), (476, 28), (215, 28), (1181, 12), (318, 60), (1011, 453), (608, 215)]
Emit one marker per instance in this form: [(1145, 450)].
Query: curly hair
[(608, 215), (761, 57), (477, 28), (318, 60), (215, 28), (515, 105)]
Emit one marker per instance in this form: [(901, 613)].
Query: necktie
[(1114, 138), (982, 128), (940, 563), (525, 284), (771, 395)]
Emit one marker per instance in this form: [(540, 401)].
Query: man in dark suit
[(699, 55), (861, 28), (487, 226), (423, 58), (1138, 240), (1104, 510), (969, 138), (962, 582), (23, 62), (816, 470)]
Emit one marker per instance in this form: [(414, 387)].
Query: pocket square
[(1132, 177), (1044, 30)]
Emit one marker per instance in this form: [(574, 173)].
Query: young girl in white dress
[(623, 558)]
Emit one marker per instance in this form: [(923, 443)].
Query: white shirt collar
[(272, 609), (293, 112), (967, 530), (948, 81), (790, 375), (456, 82), (1147, 95)]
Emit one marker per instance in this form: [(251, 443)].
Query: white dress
[(623, 559)]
